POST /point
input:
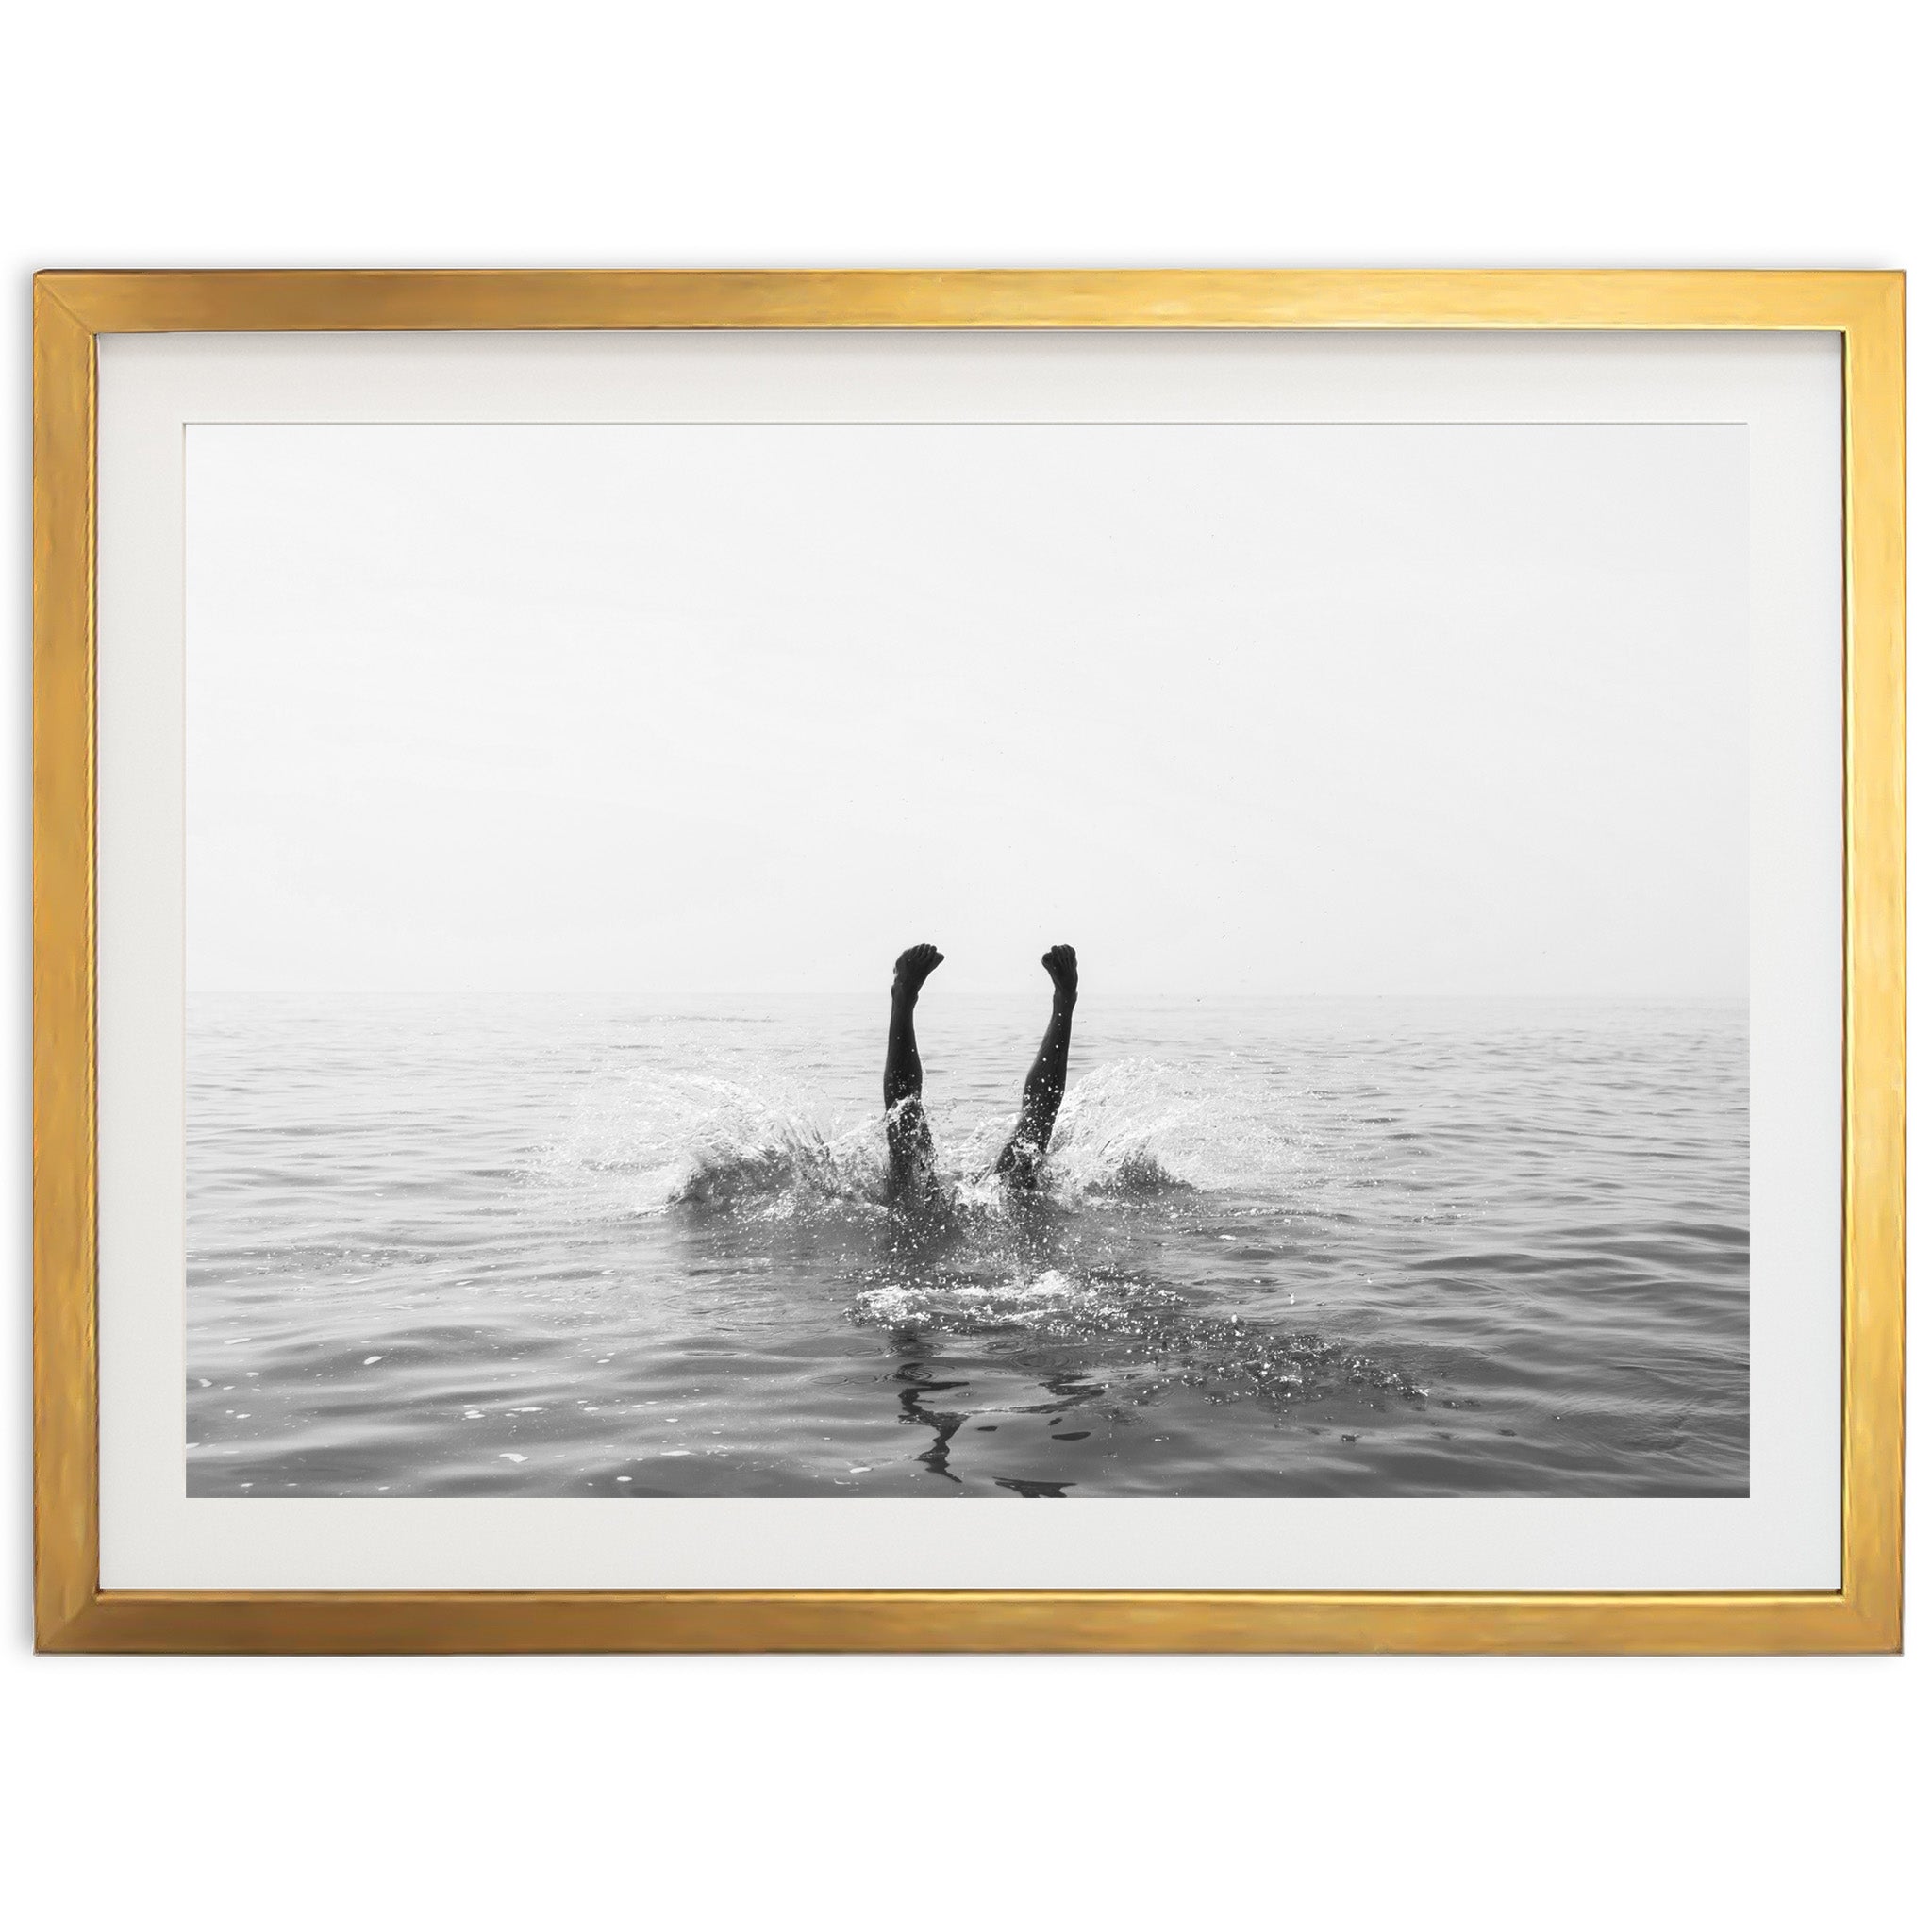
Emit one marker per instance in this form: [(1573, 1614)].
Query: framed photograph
[(695, 932)]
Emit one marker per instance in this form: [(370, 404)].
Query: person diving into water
[(910, 1172)]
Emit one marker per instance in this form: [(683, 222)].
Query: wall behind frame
[(1486, 1792)]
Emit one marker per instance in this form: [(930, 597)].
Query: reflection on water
[(1347, 1248)]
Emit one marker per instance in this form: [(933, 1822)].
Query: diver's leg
[(908, 1139), (1046, 1079)]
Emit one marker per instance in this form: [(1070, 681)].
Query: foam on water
[(758, 1146)]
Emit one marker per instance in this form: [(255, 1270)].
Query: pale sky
[(685, 711)]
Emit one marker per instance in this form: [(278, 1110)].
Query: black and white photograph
[(778, 765), (967, 960)]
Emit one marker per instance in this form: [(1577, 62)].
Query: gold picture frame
[(74, 1613)]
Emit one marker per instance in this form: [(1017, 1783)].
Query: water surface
[(518, 1247)]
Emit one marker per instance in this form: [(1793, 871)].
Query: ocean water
[(1364, 1248)]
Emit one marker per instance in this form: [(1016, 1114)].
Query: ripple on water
[(513, 1250)]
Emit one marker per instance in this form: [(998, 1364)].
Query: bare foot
[(911, 969), (1063, 969)]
